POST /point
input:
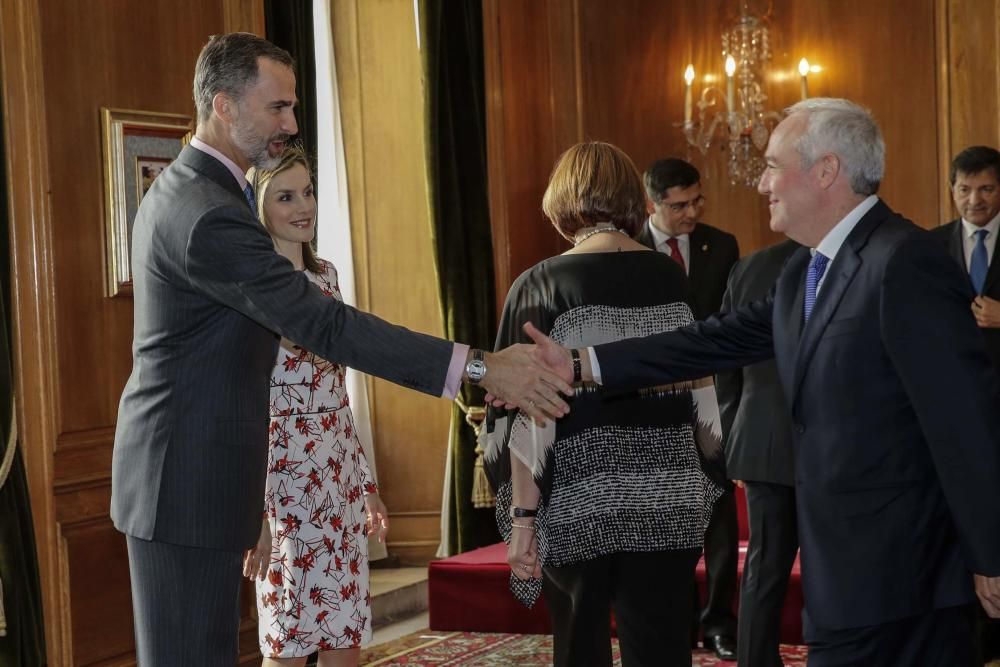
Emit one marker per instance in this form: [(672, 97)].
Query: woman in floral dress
[(321, 502)]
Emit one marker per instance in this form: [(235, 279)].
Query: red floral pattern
[(315, 596)]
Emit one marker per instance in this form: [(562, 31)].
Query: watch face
[(475, 369)]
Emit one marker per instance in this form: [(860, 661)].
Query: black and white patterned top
[(621, 472)]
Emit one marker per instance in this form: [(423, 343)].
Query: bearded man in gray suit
[(211, 299)]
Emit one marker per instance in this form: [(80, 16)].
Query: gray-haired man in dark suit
[(211, 298)]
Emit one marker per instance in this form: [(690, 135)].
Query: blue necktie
[(251, 199), (817, 265), (979, 263)]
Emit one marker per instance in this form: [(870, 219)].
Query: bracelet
[(520, 512), (521, 525), (577, 366)]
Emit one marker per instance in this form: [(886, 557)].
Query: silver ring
[(531, 403)]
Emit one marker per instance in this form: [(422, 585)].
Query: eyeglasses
[(681, 206)]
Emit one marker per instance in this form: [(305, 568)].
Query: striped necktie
[(251, 199), (817, 266)]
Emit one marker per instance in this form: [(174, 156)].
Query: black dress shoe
[(724, 647)]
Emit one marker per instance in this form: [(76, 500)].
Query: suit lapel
[(696, 256), (210, 167), (956, 246), (645, 237), (838, 278), (789, 294), (993, 273)]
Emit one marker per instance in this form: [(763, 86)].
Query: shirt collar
[(830, 245), (990, 226), (233, 168), (659, 237)]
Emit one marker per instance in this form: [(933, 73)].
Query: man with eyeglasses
[(675, 205)]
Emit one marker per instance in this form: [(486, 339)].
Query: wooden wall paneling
[(34, 353), (968, 53), (379, 75), (630, 61), (532, 116), (98, 588), (243, 16), (898, 84)]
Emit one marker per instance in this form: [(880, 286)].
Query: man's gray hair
[(228, 64), (848, 130)]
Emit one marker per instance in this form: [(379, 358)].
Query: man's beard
[(254, 146)]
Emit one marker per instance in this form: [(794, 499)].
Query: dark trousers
[(939, 638), (649, 592), (185, 603), (989, 635), (774, 541), (721, 559)]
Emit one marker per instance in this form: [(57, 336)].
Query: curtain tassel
[(482, 492), (3, 618)]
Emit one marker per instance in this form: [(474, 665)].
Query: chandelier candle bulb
[(804, 73), (688, 79), (730, 84)]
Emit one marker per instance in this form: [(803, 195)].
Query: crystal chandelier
[(740, 112)]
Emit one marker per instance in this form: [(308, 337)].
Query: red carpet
[(495, 650), (468, 592)]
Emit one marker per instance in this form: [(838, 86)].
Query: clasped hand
[(530, 377)]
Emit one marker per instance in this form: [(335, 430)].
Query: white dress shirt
[(969, 238), (834, 239), (660, 239)]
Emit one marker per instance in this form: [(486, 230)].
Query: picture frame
[(137, 146)]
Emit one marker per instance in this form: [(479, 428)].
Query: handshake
[(533, 377)]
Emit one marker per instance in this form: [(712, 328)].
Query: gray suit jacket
[(211, 297), (755, 421)]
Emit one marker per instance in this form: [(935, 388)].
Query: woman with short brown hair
[(607, 507)]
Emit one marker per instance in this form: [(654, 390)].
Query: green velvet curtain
[(289, 24), (452, 51), (23, 640)]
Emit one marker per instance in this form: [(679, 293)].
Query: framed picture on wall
[(146, 170), (138, 146)]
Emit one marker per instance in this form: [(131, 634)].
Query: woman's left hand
[(522, 552), (377, 521), (257, 558)]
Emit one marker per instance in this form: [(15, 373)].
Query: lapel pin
[(704, 248)]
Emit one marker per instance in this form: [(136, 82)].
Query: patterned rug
[(482, 649)]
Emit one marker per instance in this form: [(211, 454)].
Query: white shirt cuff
[(595, 368)]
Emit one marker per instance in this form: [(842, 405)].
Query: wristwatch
[(475, 370)]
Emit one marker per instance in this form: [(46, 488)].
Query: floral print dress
[(315, 596)]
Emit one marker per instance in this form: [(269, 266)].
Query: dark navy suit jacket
[(951, 236), (893, 405), (712, 255)]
